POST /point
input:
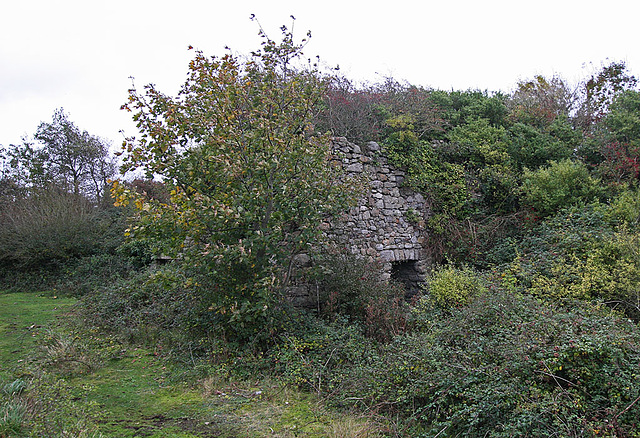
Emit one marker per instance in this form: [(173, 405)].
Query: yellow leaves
[(121, 194)]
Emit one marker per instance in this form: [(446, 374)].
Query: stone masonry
[(388, 224)]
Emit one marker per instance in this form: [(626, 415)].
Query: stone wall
[(388, 224)]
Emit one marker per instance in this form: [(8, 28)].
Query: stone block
[(388, 255)]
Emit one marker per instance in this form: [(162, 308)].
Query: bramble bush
[(320, 356), (609, 273), (583, 252), (152, 303), (509, 365)]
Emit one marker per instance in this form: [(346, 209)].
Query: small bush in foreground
[(350, 287)]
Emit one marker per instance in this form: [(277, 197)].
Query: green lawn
[(23, 316), (88, 384)]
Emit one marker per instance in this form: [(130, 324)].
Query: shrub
[(55, 240), (533, 148), (441, 181), (561, 184), (319, 355), (449, 287), (609, 272), (478, 143), (350, 111), (87, 274), (47, 228), (151, 302), (509, 365), (459, 107), (625, 208), (351, 287)]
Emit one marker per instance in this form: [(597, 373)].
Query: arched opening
[(406, 272)]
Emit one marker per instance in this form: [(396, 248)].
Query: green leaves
[(63, 156), (250, 179), (559, 185)]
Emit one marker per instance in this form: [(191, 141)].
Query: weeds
[(13, 414), (14, 388), (64, 353)]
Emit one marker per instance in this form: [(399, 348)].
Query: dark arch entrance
[(406, 272)]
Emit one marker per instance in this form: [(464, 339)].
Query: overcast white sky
[(79, 54)]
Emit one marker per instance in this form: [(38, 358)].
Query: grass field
[(23, 316), (79, 383)]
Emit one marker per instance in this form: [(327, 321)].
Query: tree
[(250, 180), (600, 90), (63, 155), (49, 188), (623, 119), (619, 143), (540, 101)]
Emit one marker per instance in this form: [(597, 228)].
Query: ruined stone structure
[(388, 224)]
